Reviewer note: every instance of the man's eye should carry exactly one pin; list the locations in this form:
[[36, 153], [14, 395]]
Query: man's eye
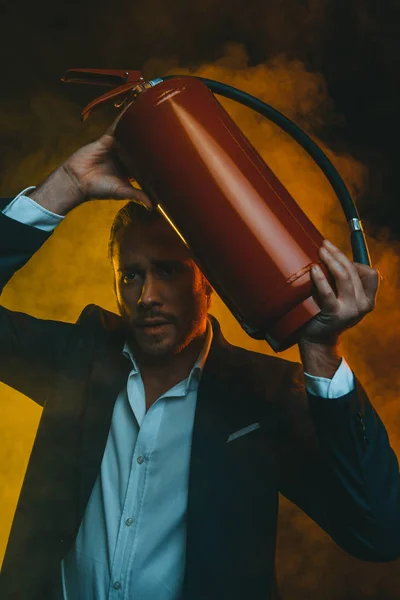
[[129, 277]]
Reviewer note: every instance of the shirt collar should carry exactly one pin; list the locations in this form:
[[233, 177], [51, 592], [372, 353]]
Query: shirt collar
[[198, 366], [196, 372]]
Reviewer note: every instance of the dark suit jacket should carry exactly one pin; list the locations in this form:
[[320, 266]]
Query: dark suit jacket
[[331, 457]]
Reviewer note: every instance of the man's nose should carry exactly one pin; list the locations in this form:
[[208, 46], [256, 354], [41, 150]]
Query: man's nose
[[150, 293]]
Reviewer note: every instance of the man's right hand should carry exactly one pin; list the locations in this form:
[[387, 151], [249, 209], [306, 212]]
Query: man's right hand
[[92, 172]]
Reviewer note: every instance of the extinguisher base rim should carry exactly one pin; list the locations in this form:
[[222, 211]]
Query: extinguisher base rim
[[284, 333]]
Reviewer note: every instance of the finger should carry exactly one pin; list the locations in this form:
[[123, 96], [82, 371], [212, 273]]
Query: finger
[[370, 279], [126, 185], [144, 198], [327, 298], [364, 300], [106, 141], [340, 273], [120, 191], [358, 290]]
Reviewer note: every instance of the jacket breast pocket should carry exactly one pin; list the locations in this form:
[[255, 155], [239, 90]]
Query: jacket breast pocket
[[243, 431], [249, 453], [247, 494]]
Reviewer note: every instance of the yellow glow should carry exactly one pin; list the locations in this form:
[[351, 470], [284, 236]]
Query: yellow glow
[[174, 227], [71, 270]]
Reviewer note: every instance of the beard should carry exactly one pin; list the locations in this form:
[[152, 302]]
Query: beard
[[171, 339]]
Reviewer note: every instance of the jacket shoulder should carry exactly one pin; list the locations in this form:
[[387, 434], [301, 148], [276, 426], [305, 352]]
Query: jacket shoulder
[[98, 318]]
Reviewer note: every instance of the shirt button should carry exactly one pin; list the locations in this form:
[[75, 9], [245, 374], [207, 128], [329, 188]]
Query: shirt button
[[117, 585], [140, 459], [129, 522]]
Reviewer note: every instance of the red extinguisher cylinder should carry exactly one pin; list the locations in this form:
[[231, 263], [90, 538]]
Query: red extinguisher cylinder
[[245, 231]]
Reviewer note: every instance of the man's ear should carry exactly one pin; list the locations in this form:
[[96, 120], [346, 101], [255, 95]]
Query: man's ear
[[209, 289], [114, 282], [207, 286]]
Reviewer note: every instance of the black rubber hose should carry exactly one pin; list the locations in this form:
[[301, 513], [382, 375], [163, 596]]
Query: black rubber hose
[[358, 241]]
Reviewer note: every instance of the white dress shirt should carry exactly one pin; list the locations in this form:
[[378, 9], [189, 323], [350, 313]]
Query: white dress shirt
[[132, 539], [131, 542]]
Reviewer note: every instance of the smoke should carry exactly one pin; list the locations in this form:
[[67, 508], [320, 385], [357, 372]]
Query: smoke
[[72, 270]]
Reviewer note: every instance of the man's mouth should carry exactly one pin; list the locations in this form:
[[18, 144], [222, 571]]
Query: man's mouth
[[153, 325]]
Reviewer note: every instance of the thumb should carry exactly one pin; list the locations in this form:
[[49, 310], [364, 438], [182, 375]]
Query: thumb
[[132, 193], [370, 279], [106, 141]]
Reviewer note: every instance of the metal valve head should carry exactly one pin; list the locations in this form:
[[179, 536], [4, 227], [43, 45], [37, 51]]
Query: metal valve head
[[125, 84]]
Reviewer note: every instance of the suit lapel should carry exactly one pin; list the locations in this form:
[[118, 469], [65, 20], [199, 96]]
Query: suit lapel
[[230, 484], [109, 373], [223, 484]]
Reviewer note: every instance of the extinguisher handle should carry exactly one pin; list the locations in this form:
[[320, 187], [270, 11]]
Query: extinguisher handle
[[359, 247], [102, 77], [124, 82]]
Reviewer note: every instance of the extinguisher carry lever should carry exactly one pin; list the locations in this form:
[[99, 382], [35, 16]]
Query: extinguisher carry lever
[[124, 82]]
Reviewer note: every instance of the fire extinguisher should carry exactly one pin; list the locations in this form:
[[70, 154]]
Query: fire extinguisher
[[243, 228]]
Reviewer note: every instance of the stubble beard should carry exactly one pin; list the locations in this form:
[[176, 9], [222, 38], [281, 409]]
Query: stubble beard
[[160, 345]]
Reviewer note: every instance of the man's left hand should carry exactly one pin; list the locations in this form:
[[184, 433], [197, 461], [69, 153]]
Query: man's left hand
[[356, 289]]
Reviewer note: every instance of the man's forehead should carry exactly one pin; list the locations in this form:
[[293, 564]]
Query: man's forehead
[[154, 242]]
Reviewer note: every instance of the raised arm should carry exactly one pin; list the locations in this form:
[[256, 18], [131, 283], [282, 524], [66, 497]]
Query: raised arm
[[335, 460], [29, 347]]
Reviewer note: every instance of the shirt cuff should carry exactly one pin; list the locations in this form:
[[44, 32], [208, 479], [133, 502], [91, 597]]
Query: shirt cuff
[[27, 211], [342, 383]]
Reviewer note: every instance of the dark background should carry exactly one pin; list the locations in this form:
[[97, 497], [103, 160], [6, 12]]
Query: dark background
[[354, 45]]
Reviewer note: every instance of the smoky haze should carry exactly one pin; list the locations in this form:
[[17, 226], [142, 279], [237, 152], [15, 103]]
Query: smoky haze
[[308, 59]]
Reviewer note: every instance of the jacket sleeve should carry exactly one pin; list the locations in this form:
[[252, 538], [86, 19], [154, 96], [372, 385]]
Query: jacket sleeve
[[28, 346], [335, 462]]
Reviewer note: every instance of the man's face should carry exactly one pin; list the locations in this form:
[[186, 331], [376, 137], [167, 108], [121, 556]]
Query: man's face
[[161, 293]]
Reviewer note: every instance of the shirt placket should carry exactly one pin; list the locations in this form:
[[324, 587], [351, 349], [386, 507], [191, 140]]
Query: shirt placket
[[129, 528]]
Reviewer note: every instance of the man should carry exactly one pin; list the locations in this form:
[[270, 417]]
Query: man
[[161, 449]]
